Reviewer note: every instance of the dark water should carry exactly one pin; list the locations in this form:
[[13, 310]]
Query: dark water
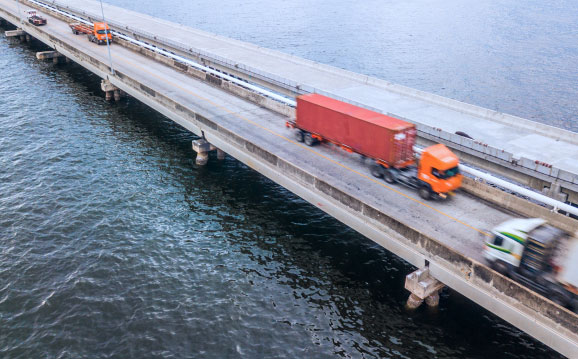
[[113, 244]]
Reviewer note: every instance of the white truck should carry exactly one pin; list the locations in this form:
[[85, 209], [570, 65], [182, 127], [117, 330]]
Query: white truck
[[34, 18], [541, 257]]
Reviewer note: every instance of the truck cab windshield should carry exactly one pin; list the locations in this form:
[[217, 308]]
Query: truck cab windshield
[[445, 174], [102, 32]]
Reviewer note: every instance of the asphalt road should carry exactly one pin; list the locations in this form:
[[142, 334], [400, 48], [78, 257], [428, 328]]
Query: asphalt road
[[457, 222]]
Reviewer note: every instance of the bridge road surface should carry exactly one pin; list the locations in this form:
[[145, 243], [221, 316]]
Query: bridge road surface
[[457, 223], [521, 137]]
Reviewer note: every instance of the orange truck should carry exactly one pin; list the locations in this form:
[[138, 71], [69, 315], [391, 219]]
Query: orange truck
[[387, 141], [98, 33]]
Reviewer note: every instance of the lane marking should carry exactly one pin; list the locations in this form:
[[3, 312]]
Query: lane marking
[[227, 110], [130, 63], [380, 183]]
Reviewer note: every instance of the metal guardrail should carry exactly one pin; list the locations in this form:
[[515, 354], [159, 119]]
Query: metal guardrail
[[546, 171]]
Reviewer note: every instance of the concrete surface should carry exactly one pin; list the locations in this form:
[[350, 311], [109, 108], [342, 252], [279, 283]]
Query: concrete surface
[[513, 143], [449, 234]]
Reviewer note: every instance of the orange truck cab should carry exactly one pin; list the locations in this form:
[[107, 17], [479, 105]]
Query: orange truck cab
[[436, 175], [438, 169], [101, 33]]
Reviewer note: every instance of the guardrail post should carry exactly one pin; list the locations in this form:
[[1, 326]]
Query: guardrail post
[[555, 191]]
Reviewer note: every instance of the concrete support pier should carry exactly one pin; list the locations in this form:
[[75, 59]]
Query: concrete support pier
[[202, 147], [47, 55], [14, 33], [110, 90], [422, 287], [220, 154], [18, 33]]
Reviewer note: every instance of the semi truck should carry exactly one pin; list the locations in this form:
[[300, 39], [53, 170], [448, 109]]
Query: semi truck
[[387, 141], [537, 255], [98, 33], [34, 18]]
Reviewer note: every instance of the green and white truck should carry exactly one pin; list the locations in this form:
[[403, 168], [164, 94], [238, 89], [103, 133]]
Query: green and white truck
[[538, 255]]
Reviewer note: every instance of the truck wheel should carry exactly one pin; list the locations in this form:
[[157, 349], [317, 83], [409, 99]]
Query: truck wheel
[[500, 267], [309, 140], [574, 304], [388, 176], [376, 170], [299, 136], [424, 193], [559, 296]]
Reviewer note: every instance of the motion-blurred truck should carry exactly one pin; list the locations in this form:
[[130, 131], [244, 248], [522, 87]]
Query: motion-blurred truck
[[388, 141], [538, 255]]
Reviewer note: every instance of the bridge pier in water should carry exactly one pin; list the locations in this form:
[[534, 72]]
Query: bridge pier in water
[[423, 287], [202, 147], [47, 55], [16, 34], [110, 90]]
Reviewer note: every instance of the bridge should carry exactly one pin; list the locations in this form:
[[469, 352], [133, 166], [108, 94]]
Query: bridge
[[213, 86]]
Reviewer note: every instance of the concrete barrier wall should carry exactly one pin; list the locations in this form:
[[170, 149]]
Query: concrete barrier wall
[[543, 129], [518, 205], [400, 234], [230, 87], [528, 167], [429, 247], [515, 121]]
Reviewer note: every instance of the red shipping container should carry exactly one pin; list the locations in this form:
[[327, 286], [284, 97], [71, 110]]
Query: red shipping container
[[366, 132]]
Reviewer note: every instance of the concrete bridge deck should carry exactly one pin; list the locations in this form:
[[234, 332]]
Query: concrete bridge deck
[[447, 234], [532, 153]]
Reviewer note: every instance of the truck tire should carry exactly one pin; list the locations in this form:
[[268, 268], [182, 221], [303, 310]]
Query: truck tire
[[309, 140], [574, 304], [559, 296], [425, 193], [298, 136], [388, 176], [501, 267], [376, 170]]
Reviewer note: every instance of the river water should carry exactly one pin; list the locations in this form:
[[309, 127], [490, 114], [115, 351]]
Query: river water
[[113, 244]]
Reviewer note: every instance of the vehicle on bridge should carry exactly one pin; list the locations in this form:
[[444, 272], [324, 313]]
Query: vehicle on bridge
[[542, 257], [98, 33], [388, 141], [34, 18]]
